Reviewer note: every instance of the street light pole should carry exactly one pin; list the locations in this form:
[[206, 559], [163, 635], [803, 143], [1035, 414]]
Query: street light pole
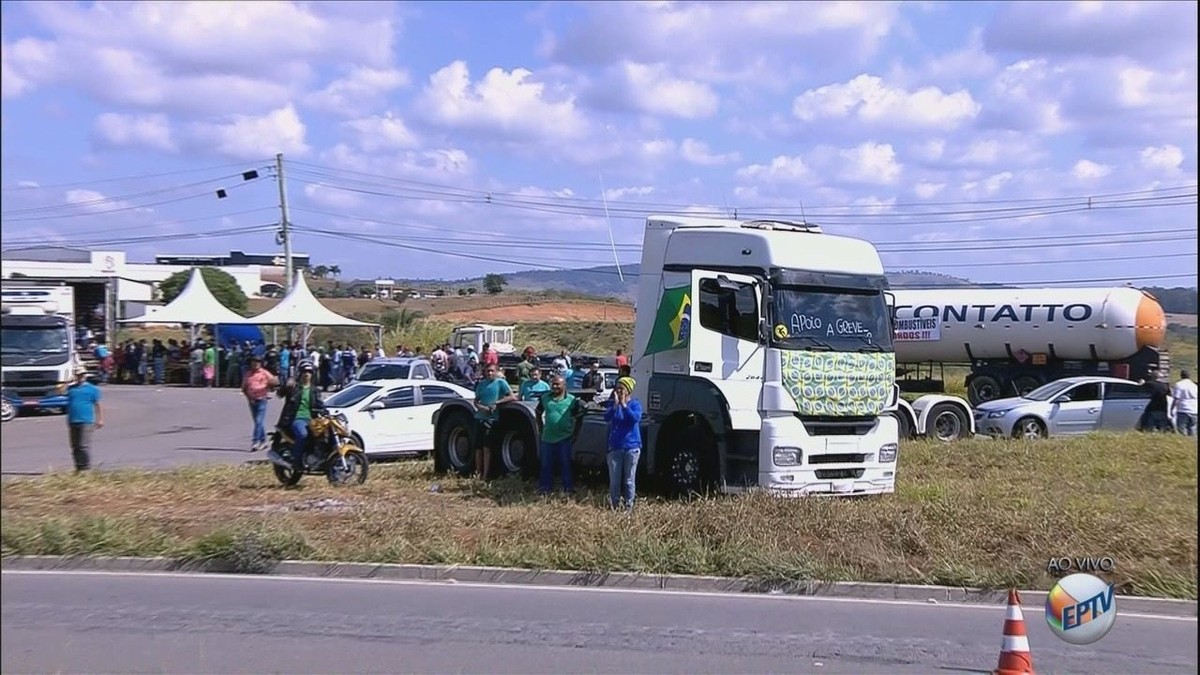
[[284, 234]]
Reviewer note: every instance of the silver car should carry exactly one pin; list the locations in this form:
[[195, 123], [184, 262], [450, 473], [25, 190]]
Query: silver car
[[1071, 406]]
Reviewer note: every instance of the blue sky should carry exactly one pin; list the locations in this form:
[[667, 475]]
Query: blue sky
[[1015, 142]]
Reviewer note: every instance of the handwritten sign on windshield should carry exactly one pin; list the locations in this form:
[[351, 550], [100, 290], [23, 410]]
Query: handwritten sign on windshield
[[810, 324]]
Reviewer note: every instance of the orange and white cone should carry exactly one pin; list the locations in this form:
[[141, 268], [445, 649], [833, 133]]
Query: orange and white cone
[[1015, 658]]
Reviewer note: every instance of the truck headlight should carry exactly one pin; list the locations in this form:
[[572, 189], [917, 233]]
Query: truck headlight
[[997, 414], [887, 452], [786, 456]]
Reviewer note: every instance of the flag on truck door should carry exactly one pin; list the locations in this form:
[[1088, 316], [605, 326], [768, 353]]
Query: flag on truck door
[[673, 322]]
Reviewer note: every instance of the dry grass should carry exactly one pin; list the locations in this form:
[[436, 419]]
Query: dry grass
[[978, 513]]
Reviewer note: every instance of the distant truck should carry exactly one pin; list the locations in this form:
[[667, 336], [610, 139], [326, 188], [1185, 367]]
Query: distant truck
[[1015, 340], [764, 359], [38, 344]]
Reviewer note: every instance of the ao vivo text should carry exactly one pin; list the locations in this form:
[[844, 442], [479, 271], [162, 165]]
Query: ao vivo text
[[1077, 564]]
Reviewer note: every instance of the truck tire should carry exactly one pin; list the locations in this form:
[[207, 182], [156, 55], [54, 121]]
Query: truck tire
[[1023, 384], [983, 388], [455, 450], [904, 425], [947, 422], [518, 451], [690, 462]]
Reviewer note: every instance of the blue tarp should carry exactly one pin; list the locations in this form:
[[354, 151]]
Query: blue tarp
[[230, 334]]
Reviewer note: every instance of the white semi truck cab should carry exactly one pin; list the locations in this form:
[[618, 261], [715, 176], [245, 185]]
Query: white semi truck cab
[[37, 344]]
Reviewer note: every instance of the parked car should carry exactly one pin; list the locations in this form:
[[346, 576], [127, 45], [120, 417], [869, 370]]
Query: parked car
[[395, 368], [1067, 407], [394, 417]]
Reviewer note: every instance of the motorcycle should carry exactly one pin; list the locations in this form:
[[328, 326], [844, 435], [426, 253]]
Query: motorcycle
[[331, 452]]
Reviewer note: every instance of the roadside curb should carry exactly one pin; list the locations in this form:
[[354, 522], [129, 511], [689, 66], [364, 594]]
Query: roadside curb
[[627, 580]]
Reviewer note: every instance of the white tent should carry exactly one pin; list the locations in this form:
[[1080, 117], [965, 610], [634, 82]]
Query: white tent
[[194, 305], [301, 307]]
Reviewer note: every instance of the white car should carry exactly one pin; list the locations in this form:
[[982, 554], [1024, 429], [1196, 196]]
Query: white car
[[394, 417]]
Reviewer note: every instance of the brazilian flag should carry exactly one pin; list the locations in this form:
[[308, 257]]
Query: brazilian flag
[[673, 322]]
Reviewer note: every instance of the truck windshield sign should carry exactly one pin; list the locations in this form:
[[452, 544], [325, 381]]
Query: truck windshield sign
[[835, 320]]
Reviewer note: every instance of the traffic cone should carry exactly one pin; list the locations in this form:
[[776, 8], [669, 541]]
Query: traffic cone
[[1015, 658]]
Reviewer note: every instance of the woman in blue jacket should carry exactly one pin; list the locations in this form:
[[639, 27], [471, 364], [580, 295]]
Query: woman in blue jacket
[[624, 416]]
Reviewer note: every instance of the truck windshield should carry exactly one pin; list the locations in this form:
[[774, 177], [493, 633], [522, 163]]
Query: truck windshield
[[824, 319], [34, 340]]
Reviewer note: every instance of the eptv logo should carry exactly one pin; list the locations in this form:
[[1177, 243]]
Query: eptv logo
[[1081, 609]]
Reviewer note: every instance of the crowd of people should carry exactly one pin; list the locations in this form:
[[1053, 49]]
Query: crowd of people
[[1172, 408]]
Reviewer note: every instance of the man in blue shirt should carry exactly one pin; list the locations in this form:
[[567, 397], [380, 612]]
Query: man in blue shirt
[[490, 392], [83, 417]]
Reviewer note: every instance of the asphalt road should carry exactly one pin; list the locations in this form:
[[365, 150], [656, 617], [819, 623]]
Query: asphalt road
[[145, 427], [148, 622]]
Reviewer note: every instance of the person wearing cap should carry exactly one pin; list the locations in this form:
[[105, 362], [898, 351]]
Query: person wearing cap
[[83, 417], [257, 384], [623, 413], [527, 365], [301, 401]]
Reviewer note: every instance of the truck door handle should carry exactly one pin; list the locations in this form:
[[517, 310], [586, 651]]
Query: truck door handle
[[1093, 410], [1138, 407]]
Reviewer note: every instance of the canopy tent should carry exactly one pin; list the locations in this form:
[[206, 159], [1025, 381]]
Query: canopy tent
[[195, 304], [301, 307]]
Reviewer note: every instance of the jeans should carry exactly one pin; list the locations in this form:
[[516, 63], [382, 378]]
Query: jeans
[[81, 444], [622, 473], [160, 370], [300, 435], [552, 454], [1185, 423], [258, 413], [1155, 420]]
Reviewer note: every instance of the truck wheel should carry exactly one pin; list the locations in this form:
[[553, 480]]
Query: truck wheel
[[1023, 384], [690, 467], [455, 448], [904, 425], [1029, 428], [947, 422], [983, 388], [518, 451], [8, 410]]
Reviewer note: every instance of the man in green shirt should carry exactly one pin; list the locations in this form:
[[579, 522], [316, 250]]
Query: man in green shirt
[[557, 412]]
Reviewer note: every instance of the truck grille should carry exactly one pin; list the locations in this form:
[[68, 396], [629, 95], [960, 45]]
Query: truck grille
[[31, 383], [838, 474], [844, 458], [838, 426]]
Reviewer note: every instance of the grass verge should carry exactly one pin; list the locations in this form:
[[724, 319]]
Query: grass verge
[[977, 513]]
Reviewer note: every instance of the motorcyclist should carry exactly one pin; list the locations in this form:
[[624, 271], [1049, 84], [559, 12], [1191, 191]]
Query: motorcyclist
[[302, 400]]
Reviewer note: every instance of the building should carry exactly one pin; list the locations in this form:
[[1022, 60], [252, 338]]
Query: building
[[107, 286], [234, 259]]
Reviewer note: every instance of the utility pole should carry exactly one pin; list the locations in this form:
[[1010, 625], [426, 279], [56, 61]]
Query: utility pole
[[284, 234]]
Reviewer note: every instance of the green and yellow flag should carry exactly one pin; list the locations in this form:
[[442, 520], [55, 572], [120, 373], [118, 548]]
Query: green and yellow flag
[[673, 322]]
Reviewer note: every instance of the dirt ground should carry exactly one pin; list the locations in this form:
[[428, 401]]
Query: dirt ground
[[1182, 319], [547, 312], [506, 308]]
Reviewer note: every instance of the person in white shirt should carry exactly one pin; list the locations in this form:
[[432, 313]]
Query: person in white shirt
[[1183, 404]]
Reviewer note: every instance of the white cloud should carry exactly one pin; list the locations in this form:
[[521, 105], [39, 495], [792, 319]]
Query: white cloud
[[361, 90], [508, 103], [926, 190], [1086, 170], [870, 163], [385, 132], [781, 169], [869, 100], [331, 196], [24, 63], [988, 186], [651, 89], [446, 164], [139, 131], [94, 201], [698, 153], [28, 184], [981, 152], [249, 137], [620, 193], [1164, 158], [1026, 97]]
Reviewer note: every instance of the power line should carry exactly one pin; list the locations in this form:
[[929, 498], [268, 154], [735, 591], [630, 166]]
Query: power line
[[70, 237], [122, 209], [142, 176], [214, 234], [1076, 261]]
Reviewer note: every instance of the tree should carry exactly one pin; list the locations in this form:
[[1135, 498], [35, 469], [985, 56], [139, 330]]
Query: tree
[[334, 271], [462, 291], [494, 283], [319, 272], [472, 290], [222, 284]]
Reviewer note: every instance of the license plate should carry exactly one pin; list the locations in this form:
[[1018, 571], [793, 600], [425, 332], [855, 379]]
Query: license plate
[[843, 486]]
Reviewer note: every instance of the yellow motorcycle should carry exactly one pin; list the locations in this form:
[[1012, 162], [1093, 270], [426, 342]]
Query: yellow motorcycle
[[331, 452]]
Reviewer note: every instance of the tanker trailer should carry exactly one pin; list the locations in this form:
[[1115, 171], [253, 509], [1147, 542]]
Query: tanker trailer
[[1016, 339]]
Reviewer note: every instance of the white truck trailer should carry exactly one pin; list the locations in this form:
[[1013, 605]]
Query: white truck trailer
[[1015, 340], [763, 355], [37, 344]]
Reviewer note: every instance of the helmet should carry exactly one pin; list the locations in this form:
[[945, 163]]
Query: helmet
[[306, 367]]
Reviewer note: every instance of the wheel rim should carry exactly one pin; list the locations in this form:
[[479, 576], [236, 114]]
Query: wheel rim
[[347, 472], [7, 410], [985, 392], [1031, 429], [685, 469], [1024, 385], [947, 426], [459, 445], [512, 452]]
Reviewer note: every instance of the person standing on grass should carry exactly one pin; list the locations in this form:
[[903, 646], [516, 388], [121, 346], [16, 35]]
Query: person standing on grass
[[557, 412], [1154, 417], [83, 417], [490, 392], [624, 416], [256, 386], [1183, 404]]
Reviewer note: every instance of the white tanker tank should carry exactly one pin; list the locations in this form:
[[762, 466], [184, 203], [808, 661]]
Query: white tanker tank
[[1016, 339], [965, 324]]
